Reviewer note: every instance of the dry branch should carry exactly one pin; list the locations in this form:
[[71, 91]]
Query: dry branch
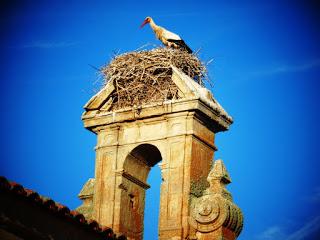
[[142, 77]]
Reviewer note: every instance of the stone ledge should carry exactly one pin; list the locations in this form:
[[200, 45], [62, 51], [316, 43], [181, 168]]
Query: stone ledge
[[99, 118]]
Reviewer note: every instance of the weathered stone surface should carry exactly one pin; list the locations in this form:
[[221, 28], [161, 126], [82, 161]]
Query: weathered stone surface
[[87, 189], [214, 215], [196, 98], [178, 135], [86, 195]]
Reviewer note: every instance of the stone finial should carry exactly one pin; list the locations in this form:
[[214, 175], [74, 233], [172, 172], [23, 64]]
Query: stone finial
[[86, 195], [219, 172], [214, 215], [87, 189]]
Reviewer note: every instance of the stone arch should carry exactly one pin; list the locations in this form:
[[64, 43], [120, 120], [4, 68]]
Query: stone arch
[[136, 168], [145, 153]]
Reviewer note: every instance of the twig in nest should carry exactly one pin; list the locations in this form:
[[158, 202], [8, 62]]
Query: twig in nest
[[141, 77]]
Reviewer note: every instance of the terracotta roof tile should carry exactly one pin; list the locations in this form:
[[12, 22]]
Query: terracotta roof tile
[[58, 208]]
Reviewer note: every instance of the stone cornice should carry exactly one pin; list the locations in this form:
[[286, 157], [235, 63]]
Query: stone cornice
[[133, 179], [218, 122]]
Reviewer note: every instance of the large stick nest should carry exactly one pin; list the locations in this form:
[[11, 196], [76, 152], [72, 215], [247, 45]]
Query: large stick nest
[[145, 76]]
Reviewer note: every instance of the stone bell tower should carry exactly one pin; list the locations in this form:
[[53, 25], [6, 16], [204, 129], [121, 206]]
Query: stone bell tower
[[180, 133]]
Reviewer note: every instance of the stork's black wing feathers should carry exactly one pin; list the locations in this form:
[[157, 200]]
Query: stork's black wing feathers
[[181, 44]]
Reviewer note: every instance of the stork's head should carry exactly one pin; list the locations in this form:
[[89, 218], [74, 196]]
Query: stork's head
[[146, 20]]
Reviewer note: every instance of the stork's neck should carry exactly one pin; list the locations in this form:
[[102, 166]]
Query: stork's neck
[[154, 26]]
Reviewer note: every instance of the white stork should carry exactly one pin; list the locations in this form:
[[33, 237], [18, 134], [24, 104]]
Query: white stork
[[168, 38]]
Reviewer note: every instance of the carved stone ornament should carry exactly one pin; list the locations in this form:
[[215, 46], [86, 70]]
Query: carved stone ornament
[[215, 209]]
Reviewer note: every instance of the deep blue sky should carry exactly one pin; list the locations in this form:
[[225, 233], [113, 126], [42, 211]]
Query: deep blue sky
[[265, 69]]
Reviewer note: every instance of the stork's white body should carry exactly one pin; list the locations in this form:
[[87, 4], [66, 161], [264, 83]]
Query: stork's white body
[[168, 38], [170, 35], [163, 34]]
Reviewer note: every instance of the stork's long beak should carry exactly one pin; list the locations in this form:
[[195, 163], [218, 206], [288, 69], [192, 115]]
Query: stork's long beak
[[144, 23]]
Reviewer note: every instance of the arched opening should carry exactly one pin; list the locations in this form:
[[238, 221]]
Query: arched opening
[[136, 169], [148, 153], [152, 205]]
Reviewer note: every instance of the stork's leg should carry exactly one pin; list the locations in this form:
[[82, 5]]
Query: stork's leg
[[172, 45], [165, 42]]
